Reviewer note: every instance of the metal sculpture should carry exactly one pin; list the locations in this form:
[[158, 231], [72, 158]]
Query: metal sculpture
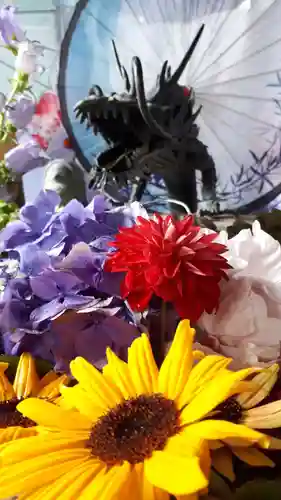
[[150, 134]]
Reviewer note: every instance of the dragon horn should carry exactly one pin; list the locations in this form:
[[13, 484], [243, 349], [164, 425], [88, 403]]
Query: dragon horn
[[122, 69], [142, 104], [180, 69]]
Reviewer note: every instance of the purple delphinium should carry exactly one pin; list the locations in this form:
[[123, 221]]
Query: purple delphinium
[[23, 158], [61, 255], [21, 112], [9, 29]]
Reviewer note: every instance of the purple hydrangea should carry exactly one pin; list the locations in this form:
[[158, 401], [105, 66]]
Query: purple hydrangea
[[59, 255]]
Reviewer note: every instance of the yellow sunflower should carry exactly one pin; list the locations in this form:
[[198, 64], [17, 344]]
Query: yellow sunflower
[[245, 408], [13, 424], [132, 432]]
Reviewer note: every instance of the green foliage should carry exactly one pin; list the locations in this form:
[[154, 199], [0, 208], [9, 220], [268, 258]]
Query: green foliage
[[8, 212], [6, 175], [42, 366], [259, 490]]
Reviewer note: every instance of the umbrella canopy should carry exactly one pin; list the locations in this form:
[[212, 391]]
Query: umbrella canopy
[[235, 73]]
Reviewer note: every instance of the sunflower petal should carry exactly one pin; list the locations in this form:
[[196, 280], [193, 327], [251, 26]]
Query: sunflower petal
[[26, 382], [27, 448], [188, 497], [13, 433], [73, 483], [215, 392], [220, 429], [52, 390], [49, 415], [223, 463], [102, 392], [175, 370], [118, 371], [50, 376], [27, 475], [264, 417], [169, 472], [201, 374], [253, 457], [142, 366], [6, 389], [264, 381], [76, 397], [107, 486]]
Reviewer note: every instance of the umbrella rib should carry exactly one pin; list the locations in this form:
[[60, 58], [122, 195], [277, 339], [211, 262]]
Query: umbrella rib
[[220, 141], [240, 113], [233, 43], [207, 50], [249, 56], [240, 78]]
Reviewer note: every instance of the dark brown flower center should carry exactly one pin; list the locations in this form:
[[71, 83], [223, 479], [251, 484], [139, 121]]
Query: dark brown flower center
[[134, 429], [230, 410], [11, 417]]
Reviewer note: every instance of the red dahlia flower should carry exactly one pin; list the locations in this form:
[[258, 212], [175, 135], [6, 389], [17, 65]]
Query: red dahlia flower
[[172, 259]]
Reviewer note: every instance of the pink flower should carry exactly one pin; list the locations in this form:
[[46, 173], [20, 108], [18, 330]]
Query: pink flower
[[247, 324]]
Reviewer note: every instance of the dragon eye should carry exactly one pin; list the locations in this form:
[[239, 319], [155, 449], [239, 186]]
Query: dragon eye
[[186, 91]]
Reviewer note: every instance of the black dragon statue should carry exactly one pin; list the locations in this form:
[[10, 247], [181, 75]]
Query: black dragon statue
[[151, 134]]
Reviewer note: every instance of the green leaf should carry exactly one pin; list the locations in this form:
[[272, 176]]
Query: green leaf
[[218, 487], [259, 490], [12, 49], [42, 366]]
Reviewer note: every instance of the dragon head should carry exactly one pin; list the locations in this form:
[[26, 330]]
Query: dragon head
[[131, 117]]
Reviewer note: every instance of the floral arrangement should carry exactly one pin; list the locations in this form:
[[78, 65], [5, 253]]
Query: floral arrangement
[[140, 356], [30, 124]]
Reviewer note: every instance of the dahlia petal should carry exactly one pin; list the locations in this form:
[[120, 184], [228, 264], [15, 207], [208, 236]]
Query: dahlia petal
[[175, 370], [168, 472], [26, 382], [104, 395], [138, 300], [49, 415], [142, 366], [253, 457]]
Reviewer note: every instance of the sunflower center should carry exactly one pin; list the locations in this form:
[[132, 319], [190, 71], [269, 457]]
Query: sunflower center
[[134, 429], [11, 417], [230, 410]]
